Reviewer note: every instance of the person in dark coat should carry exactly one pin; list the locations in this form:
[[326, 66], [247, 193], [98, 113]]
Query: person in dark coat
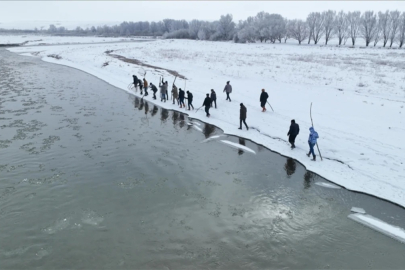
[[181, 98], [189, 100], [263, 99], [228, 90], [213, 98], [207, 104], [135, 81], [293, 132], [140, 84], [154, 90], [242, 116]]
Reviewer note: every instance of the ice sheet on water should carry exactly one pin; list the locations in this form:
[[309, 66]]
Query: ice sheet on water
[[380, 226], [197, 128], [327, 185], [211, 138], [239, 146], [358, 210]]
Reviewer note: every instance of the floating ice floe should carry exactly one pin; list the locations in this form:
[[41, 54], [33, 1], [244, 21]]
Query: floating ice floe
[[358, 210], [211, 138], [197, 128], [380, 226], [239, 146], [327, 185]]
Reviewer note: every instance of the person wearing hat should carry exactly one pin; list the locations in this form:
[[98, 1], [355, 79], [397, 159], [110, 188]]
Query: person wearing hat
[[242, 116], [135, 82], [263, 99], [293, 132], [207, 104], [189, 100], [228, 90]]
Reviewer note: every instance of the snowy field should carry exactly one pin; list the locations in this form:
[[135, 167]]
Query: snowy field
[[358, 97]]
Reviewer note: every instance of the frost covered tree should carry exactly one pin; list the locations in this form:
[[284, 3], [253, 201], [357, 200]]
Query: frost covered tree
[[368, 26], [394, 21], [311, 21], [261, 26], [246, 31], [277, 27], [328, 24], [315, 22], [384, 23], [298, 30], [353, 19], [225, 28], [377, 34], [193, 28], [401, 30], [341, 27]]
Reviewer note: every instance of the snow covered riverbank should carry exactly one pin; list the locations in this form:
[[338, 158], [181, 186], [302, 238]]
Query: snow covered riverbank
[[358, 98]]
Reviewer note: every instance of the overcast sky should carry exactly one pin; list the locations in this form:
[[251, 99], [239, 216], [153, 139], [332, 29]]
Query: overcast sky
[[12, 11]]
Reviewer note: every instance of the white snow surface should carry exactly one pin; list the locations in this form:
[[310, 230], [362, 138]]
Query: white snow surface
[[380, 226], [358, 98], [358, 210], [327, 185]]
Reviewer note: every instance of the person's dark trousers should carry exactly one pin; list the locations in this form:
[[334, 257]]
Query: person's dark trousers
[[214, 101], [227, 96], [146, 92], [189, 104], [243, 120], [291, 139], [154, 95], [311, 149], [207, 110]]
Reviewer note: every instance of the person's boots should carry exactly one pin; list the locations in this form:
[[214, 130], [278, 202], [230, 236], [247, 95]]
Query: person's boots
[[262, 109], [308, 154], [314, 159], [240, 128]]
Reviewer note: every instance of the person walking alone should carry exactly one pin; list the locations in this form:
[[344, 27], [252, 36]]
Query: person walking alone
[[228, 90], [313, 136], [242, 116], [293, 132], [189, 100], [263, 99], [213, 98], [207, 104]]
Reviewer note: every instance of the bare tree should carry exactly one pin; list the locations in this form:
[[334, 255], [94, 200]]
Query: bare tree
[[286, 32], [341, 26], [298, 30], [311, 21], [368, 26], [353, 19], [394, 21], [377, 34], [401, 32], [318, 29], [329, 20], [384, 21]]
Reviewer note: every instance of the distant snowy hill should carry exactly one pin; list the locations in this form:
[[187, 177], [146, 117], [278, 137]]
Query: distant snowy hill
[[31, 25]]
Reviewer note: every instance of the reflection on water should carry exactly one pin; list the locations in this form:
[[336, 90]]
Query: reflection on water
[[91, 184], [290, 166]]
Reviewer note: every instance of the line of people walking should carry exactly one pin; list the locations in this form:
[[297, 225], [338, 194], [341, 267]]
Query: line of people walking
[[178, 95]]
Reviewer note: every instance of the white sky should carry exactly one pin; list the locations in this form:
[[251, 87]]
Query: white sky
[[13, 11]]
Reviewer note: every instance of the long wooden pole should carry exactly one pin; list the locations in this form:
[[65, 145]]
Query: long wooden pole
[[310, 114]]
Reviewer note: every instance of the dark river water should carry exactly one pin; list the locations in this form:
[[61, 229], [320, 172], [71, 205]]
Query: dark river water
[[93, 178]]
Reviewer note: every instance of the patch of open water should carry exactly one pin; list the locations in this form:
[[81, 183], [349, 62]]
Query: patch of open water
[[93, 178]]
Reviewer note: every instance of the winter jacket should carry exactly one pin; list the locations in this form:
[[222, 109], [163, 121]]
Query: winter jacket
[[243, 112], [313, 136], [294, 129], [140, 83], [145, 83], [213, 95], [189, 97], [174, 92], [135, 79], [263, 97], [207, 102], [181, 93], [228, 88], [164, 89], [154, 89]]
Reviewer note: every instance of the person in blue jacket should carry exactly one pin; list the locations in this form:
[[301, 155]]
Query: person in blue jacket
[[313, 136]]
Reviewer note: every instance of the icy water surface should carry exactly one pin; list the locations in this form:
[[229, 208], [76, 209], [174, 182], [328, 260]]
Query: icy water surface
[[93, 178]]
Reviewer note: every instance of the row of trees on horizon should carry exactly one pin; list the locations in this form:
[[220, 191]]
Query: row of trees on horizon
[[387, 27]]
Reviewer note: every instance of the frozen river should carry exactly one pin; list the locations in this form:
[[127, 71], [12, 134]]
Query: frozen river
[[93, 178]]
